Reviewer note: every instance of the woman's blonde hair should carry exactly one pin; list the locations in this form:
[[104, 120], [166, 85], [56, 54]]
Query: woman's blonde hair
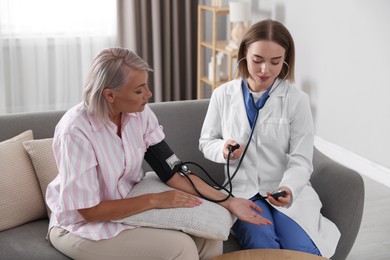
[[268, 30], [110, 69]]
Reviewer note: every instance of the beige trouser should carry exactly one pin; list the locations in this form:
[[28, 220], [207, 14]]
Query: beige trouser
[[140, 243]]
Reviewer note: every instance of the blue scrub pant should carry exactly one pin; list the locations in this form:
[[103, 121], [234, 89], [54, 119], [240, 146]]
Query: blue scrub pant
[[284, 233]]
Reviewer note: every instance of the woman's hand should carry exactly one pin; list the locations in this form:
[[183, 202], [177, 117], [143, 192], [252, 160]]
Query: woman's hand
[[174, 199], [247, 211], [281, 201], [236, 153]]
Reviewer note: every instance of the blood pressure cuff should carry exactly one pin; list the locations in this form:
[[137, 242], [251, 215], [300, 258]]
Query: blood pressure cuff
[[162, 160]]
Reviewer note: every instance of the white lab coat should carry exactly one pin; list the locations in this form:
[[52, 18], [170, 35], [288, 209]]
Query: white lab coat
[[280, 152]]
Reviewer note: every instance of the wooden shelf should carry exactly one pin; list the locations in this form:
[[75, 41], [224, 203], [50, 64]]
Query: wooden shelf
[[216, 9], [220, 46], [216, 46], [211, 83]]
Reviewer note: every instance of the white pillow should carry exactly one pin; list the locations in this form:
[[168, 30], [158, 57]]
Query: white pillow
[[208, 220]]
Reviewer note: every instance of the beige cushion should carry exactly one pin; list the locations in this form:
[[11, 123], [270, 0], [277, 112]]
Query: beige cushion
[[21, 200], [208, 220], [42, 158]]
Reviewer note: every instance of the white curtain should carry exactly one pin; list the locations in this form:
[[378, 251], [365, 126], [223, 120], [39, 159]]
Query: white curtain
[[46, 50]]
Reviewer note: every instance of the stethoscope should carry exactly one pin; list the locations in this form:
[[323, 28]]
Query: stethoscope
[[258, 108], [185, 170]]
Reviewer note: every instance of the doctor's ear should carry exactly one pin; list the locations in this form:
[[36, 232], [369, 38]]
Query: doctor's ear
[[109, 95]]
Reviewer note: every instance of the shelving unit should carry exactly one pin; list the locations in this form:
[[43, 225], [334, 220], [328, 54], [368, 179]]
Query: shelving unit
[[215, 46]]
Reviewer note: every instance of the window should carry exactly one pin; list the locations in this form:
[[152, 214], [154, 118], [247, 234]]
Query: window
[[46, 50]]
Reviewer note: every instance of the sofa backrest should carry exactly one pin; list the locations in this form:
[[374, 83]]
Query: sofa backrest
[[181, 121], [41, 123]]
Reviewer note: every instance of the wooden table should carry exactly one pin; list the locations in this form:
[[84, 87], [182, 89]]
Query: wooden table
[[268, 254]]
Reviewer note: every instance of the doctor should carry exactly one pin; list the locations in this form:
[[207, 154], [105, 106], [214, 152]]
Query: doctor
[[279, 153]]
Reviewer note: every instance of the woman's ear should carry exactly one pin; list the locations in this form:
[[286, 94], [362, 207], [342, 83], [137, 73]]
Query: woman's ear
[[108, 94]]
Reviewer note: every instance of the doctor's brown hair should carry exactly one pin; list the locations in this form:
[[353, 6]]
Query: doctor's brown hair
[[268, 30]]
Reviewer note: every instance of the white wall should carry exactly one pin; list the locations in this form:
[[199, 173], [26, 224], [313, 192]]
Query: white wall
[[343, 62]]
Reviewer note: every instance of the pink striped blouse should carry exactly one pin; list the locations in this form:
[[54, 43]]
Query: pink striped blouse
[[95, 164]]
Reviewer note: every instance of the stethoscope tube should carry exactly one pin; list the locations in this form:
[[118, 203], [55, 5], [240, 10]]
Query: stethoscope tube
[[242, 156], [217, 185], [229, 177]]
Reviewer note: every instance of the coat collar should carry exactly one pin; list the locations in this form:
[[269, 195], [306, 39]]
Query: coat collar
[[236, 99], [279, 90]]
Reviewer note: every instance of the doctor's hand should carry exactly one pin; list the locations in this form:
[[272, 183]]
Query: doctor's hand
[[284, 201], [247, 211], [236, 153]]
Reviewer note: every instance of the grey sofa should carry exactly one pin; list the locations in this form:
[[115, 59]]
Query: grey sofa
[[182, 121]]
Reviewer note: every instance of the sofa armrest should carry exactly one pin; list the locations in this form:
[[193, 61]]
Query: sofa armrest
[[341, 191]]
